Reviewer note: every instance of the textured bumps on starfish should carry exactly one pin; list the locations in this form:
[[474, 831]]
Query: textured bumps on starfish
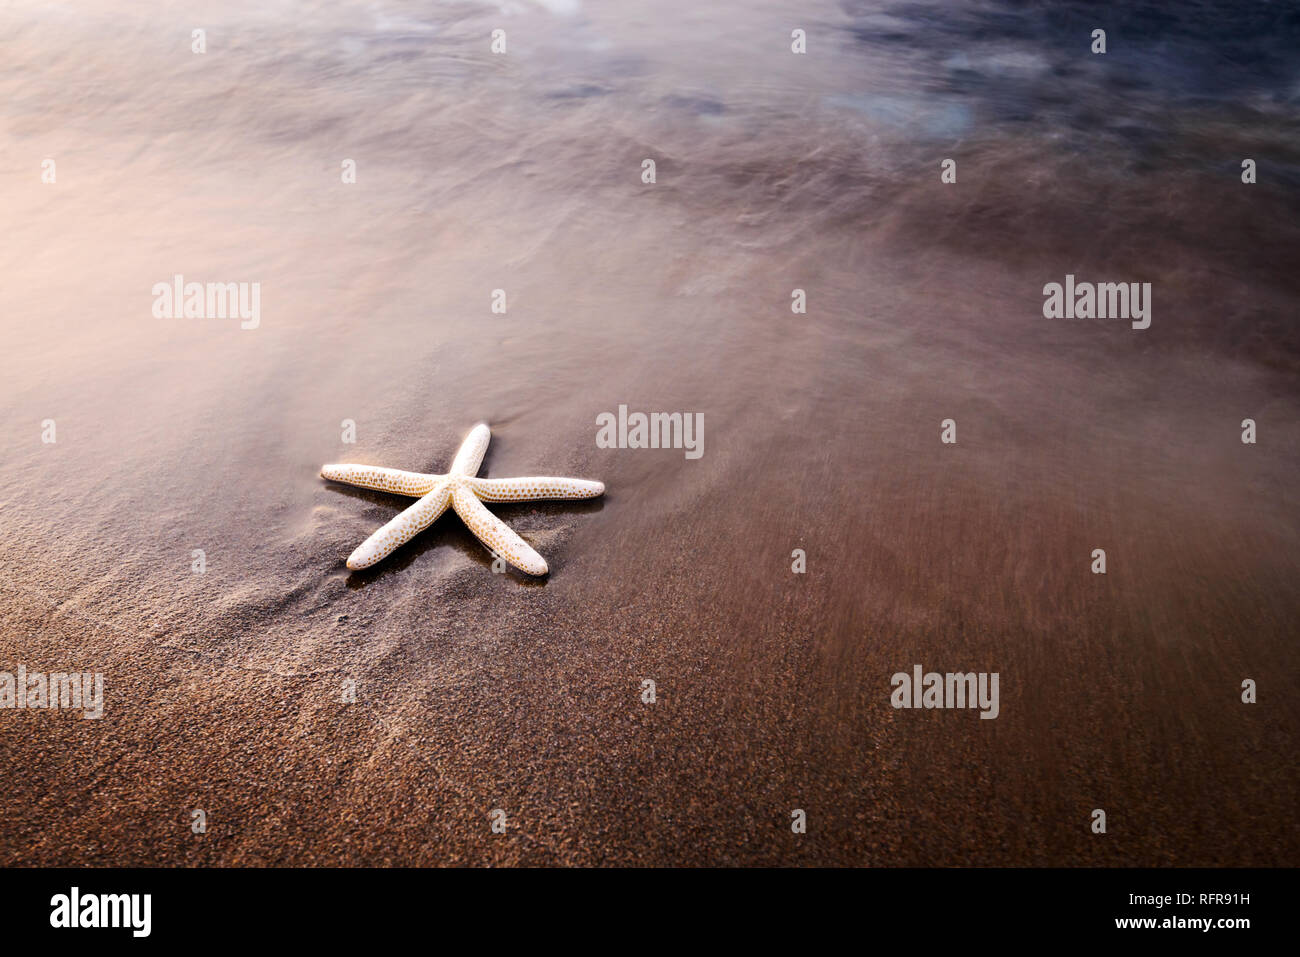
[[465, 493]]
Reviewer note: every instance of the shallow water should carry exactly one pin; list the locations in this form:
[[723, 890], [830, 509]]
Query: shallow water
[[774, 171]]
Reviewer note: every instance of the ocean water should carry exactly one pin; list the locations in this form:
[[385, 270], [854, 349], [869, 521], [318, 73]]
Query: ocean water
[[774, 172]]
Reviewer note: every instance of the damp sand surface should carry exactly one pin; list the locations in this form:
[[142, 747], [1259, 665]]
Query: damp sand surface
[[522, 172]]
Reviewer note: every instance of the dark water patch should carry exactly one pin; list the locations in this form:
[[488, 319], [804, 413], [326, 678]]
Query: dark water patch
[[1023, 62], [582, 91], [698, 105]]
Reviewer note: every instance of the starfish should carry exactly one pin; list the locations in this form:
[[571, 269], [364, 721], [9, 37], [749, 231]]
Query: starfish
[[465, 493]]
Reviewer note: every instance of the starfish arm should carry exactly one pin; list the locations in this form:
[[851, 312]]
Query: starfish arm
[[414, 484], [401, 529], [495, 534], [470, 454], [534, 488]]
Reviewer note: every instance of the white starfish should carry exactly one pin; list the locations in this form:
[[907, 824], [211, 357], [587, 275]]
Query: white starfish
[[465, 493]]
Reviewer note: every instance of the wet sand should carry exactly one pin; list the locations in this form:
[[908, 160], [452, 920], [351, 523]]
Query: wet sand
[[479, 691]]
